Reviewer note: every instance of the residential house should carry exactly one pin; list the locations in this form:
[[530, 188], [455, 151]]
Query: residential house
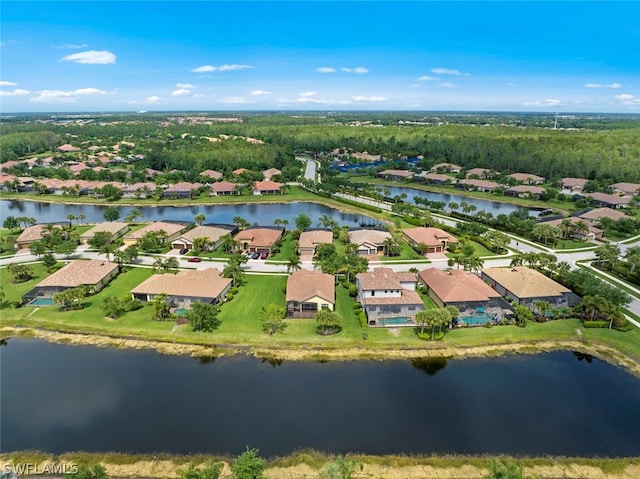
[[33, 233], [525, 191], [436, 178], [172, 230], [369, 241], [606, 200], [596, 214], [267, 187], [572, 186], [461, 289], [625, 189], [94, 274], [185, 287], [478, 185], [526, 178], [222, 188], [436, 240], [448, 167], [139, 190], [481, 173], [213, 233], [115, 228], [310, 239], [525, 285], [589, 234], [183, 189], [211, 174], [239, 171], [259, 238], [271, 172], [67, 148], [389, 298], [309, 292], [396, 175]]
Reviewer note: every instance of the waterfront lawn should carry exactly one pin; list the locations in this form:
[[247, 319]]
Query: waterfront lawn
[[13, 291], [286, 251]]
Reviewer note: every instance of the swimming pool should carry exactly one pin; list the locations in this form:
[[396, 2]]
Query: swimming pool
[[41, 302], [403, 321], [477, 319]]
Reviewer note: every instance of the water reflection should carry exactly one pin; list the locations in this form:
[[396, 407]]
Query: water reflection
[[583, 357], [429, 365]]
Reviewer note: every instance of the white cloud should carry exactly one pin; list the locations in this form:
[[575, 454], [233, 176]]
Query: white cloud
[[370, 98], [355, 70], [71, 46], [427, 78], [325, 69], [14, 92], [260, 92], [185, 85], [627, 99], [235, 100], [93, 57], [204, 68], [600, 85], [447, 71], [8, 83], [181, 92], [153, 100], [446, 85], [545, 103], [221, 68], [307, 94], [61, 96]]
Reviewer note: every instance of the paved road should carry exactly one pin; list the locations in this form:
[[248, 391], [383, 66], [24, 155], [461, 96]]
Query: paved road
[[311, 168]]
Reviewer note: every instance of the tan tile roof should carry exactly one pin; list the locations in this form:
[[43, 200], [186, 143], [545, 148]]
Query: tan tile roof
[[599, 213], [212, 232], [628, 188], [109, 227], [239, 171], [201, 283], [437, 177], [266, 185], [403, 173], [132, 188], [271, 172], [429, 236], [67, 148], [534, 190], [406, 297], [169, 228], [525, 282], [79, 273], [374, 237], [478, 171], [379, 278], [574, 220], [309, 239], [525, 177], [406, 277], [259, 237], [457, 285], [607, 198], [304, 285], [446, 166], [32, 233], [571, 182], [221, 186], [481, 183], [182, 186], [216, 175]]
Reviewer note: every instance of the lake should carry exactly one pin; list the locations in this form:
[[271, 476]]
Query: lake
[[60, 398], [262, 213]]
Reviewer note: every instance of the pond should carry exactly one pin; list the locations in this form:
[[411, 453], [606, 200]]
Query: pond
[[262, 213], [494, 207], [60, 398]]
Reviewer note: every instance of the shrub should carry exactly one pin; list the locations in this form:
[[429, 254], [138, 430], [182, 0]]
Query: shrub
[[596, 324], [357, 306], [234, 290], [353, 290], [363, 319], [424, 336], [229, 296]]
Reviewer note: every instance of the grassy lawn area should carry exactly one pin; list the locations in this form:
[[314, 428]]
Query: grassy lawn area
[[478, 250], [286, 251], [407, 253]]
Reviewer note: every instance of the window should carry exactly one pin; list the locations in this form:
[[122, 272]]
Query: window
[[373, 293]]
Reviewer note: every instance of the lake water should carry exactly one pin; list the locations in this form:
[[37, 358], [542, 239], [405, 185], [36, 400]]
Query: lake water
[[494, 207], [262, 213], [60, 398]]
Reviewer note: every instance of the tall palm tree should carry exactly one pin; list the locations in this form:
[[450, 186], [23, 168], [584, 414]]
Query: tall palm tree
[[294, 263], [199, 219]]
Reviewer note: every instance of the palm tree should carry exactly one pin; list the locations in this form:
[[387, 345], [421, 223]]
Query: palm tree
[[199, 219], [608, 253], [81, 218], [632, 256], [158, 264], [108, 249], [542, 308], [171, 264], [71, 217], [453, 206], [591, 305], [228, 243], [294, 263]]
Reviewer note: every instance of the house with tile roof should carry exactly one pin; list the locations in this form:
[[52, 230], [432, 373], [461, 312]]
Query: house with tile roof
[[222, 188], [33, 233], [486, 186], [606, 200], [267, 187], [270, 173], [481, 173], [525, 285], [448, 167], [309, 292], [259, 238], [94, 274], [596, 214], [369, 241], [389, 299], [185, 287], [310, 239], [525, 191], [116, 229], [625, 189], [396, 175], [182, 189], [172, 230], [572, 186], [213, 233], [436, 240], [211, 174], [526, 178]]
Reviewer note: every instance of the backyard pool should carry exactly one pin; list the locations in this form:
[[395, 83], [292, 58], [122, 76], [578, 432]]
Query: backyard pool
[[41, 302], [403, 321], [477, 319]]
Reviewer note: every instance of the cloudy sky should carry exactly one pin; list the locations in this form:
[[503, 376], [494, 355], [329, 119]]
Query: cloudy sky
[[568, 56]]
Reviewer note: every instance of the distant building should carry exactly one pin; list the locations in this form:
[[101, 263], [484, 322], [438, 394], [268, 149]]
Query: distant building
[[395, 175], [222, 188], [526, 178], [309, 292], [115, 228], [212, 233]]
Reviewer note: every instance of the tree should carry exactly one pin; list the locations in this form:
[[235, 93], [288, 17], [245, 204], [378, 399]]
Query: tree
[[340, 468], [240, 222], [302, 221], [71, 217], [272, 319], [203, 317], [294, 263], [523, 314], [20, 272], [542, 308], [199, 219], [391, 247], [100, 239], [113, 307], [107, 250], [111, 213], [161, 307], [38, 248], [329, 322], [96, 471], [211, 471], [608, 253], [248, 465], [632, 257], [11, 223], [170, 264], [133, 215], [228, 243], [426, 319], [70, 298], [49, 260], [510, 470], [201, 244]]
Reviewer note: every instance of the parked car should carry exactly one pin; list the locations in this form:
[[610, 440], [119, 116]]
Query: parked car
[[183, 251], [195, 259], [264, 255], [255, 255]]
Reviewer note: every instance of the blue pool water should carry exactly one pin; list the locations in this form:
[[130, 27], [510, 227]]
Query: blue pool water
[[180, 311], [477, 319], [404, 321], [41, 302]]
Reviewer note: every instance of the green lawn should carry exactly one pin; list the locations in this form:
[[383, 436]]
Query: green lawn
[[286, 251]]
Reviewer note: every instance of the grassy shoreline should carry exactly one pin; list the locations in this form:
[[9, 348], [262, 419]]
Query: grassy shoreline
[[308, 463]]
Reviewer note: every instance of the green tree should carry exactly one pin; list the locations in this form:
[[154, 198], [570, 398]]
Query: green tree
[[95, 471], [340, 468], [500, 470], [11, 223], [203, 317], [329, 322], [133, 215], [240, 222], [107, 250], [66, 248], [228, 243], [113, 307], [608, 253], [294, 263], [100, 239], [161, 307], [38, 248], [199, 219], [49, 260], [523, 314], [70, 298], [302, 221], [272, 319], [111, 213], [20, 272], [248, 465]]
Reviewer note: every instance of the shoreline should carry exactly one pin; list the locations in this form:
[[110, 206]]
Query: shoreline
[[603, 352]]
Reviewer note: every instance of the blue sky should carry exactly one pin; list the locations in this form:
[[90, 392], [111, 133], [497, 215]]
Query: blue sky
[[568, 56]]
